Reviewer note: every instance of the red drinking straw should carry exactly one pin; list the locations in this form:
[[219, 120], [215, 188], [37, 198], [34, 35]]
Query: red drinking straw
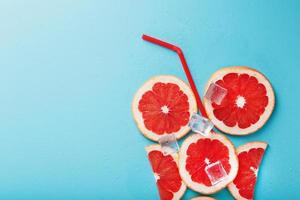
[[185, 68]]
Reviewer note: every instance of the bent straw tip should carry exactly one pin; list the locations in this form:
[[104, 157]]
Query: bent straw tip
[[144, 36]]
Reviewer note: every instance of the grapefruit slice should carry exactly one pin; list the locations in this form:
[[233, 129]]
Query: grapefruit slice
[[202, 198], [163, 105], [165, 169], [197, 152], [248, 104], [250, 156]]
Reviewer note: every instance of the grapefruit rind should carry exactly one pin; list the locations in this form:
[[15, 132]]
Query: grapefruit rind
[[137, 115], [246, 147], [198, 187], [182, 189], [218, 75]]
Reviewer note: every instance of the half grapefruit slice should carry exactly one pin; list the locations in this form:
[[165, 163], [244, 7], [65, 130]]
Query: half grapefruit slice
[[250, 156], [248, 104], [197, 153], [165, 169], [202, 198], [163, 105]]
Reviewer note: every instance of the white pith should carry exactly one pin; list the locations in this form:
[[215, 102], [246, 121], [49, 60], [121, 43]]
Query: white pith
[[206, 161], [165, 109], [186, 177], [240, 101], [245, 148], [148, 86], [254, 170], [157, 147], [156, 176], [218, 75]]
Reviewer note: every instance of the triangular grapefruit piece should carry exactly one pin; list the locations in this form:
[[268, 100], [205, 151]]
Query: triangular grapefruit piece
[[165, 168], [250, 156]]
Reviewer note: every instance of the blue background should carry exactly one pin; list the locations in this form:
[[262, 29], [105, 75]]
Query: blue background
[[69, 70]]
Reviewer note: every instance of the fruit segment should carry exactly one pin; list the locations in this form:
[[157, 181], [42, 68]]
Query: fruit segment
[[165, 169], [248, 103], [162, 106], [250, 156]]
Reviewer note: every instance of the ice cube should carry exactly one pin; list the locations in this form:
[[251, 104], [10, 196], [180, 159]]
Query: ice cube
[[168, 144], [200, 124], [215, 93], [215, 172]]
